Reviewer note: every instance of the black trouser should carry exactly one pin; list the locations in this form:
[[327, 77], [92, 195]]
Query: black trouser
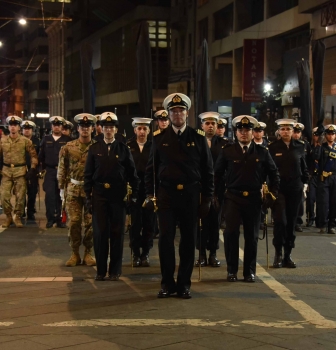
[[247, 210], [53, 200], [326, 202], [311, 198], [142, 228], [209, 237], [174, 206], [285, 211], [32, 189], [299, 220], [108, 222]]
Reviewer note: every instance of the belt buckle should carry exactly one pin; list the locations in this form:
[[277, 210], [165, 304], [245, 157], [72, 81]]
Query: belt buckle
[[245, 194], [325, 174], [179, 187], [12, 165], [107, 185]]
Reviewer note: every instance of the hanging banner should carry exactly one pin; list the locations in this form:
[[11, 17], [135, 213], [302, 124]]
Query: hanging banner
[[253, 70]]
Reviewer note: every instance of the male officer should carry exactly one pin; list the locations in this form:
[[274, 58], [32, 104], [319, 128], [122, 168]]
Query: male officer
[[243, 167], [32, 184], [220, 131], [183, 170], [99, 129], [325, 155], [209, 236], [109, 166], [67, 128], [48, 158], [70, 176], [312, 187], [289, 156], [258, 134], [297, 135], [142, 230], [13, 149], [162, 120]]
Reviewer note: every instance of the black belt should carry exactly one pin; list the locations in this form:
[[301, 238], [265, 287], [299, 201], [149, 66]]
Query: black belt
[[178, 186], [244, 193], [51, 167], [14, 165]]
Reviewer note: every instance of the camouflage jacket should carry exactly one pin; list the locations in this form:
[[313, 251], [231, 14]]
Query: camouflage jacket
[[13, 153], [71, 165]]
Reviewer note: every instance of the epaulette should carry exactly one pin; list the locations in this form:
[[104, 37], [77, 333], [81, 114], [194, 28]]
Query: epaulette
[[201, 132], [261, 146], [227, 145], [157, 132]]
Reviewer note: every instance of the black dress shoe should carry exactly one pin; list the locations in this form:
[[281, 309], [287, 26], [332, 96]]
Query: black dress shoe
[[145, 260], [201, 260], [310, 223], [298, 228], [232, 277], [136, 261], [165, 293], [31, 217], [288, 262], [277, 263], [114, 277], [213, 261], [250, 278], [99, 278], [61, 224], [49, 224], [185, 294]]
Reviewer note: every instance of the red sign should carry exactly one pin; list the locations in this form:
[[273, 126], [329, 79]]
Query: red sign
[[253, 70]]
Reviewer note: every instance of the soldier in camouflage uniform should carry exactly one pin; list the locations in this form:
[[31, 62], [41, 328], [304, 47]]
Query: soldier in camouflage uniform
[[13, 149], [70, 176]]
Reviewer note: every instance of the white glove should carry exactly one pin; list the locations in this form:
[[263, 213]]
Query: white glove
[[305, 188], [62, 194]]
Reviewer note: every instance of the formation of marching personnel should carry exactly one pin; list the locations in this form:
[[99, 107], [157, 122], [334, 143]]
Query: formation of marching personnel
[[181, 177]]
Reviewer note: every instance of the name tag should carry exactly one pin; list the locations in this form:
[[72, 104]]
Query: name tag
[[278, 154]]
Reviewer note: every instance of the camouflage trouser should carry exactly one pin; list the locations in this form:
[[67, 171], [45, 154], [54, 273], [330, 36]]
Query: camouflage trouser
[[76, 209], [16, 186]]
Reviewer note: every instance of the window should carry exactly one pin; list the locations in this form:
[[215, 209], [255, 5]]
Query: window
[[203, 30], [158, 35], [223, 23]]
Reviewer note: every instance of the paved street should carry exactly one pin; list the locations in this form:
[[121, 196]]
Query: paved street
[[44, 305]]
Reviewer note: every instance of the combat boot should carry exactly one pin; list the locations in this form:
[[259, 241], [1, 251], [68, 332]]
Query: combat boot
[[277, 263], [17, 220], [88, 259], [8, 222], [74, 260]]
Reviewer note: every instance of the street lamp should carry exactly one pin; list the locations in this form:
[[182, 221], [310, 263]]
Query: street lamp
[[22, 21]]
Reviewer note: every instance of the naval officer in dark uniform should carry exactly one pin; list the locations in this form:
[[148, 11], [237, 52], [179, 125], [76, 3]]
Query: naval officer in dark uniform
[[109, 167], [289, 155], [325, 155], [208, 237], [143, 220], [183, 170], [243, 167], [48, 159], [32, 184], [259, 134]]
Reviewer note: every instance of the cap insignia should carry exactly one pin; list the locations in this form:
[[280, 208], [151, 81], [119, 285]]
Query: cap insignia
[[108, 119], [245, 120], [177, 99], [164, 114], [13, 119], [56, 120], [297, 126], [258, 126], [331, 128], [27, 124], [85, 119]]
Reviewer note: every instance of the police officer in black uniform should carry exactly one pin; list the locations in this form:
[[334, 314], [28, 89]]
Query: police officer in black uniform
[[109, 166], [48, 158], [208, 237], [312, 187], [243, 168], [325, 155], [32, 184], [183, 170], [289, 155], [143, 220]]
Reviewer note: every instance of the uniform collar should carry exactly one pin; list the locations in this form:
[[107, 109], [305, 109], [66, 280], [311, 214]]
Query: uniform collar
[[177, 129]]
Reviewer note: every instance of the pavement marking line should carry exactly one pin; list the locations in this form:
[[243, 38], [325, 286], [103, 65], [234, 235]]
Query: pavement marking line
[[279, 324], [6, 324], [308, 313]]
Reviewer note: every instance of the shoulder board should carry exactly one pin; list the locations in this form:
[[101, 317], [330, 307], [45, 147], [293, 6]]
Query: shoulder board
[[262, 146], [227, 145], [201, 132], [157, 132]]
